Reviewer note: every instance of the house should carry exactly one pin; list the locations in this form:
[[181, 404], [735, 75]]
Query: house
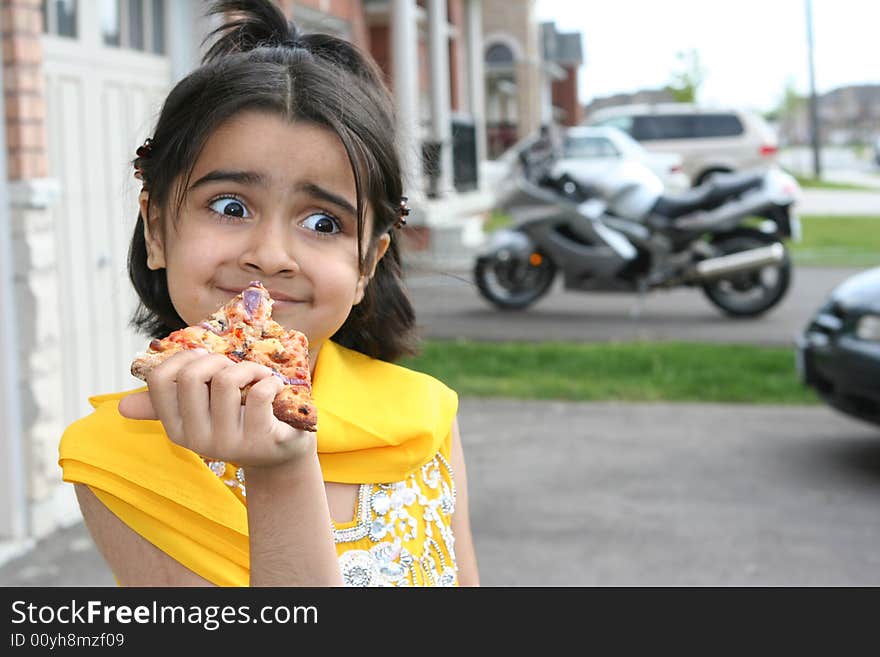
[[531, 73], [643, 96], [83, 85]]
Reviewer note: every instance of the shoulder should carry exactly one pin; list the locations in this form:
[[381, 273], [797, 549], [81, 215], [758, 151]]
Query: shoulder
[[115, 453], [365, 399], [104, 417], [104, 428], [343, 376]]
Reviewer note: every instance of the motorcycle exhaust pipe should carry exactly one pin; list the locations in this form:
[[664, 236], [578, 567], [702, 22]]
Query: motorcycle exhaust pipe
[[737, 262]]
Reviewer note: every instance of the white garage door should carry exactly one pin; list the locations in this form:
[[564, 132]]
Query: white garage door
[[106, 74]]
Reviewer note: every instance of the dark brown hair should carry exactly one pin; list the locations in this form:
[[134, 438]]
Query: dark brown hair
[[260, 61]]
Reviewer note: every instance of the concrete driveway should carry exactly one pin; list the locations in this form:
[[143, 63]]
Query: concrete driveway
[[569, 494], [672, 495]]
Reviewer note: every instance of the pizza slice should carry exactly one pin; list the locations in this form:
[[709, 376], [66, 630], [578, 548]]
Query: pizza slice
[[243, 329]]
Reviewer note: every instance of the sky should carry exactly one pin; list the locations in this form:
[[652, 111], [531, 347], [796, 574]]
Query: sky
[[750, 49]]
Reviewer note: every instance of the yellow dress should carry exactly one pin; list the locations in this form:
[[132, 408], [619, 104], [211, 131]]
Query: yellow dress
[[380, 425]]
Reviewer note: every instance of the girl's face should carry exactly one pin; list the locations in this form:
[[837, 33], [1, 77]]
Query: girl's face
[[273, 201]]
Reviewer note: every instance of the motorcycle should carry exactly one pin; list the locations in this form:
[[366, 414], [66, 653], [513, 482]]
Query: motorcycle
[[619, 232]]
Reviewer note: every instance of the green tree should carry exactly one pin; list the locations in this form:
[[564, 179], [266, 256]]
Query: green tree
[[792, 101], [688, 78], [790, 114]]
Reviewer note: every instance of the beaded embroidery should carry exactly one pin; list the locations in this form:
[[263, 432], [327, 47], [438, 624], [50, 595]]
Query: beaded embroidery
[[408, 522]]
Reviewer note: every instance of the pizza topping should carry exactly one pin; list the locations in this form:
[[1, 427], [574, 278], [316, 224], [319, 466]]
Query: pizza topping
[[217, 326], [252, 300], [291, 381]]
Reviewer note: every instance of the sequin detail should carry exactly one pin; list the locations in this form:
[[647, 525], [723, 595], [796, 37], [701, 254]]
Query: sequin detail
[[408, 523]]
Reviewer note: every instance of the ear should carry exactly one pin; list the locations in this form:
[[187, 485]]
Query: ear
[[152, 234], [381, 247]]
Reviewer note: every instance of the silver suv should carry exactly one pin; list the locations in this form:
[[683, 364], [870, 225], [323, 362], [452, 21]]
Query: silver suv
[[709, 140]]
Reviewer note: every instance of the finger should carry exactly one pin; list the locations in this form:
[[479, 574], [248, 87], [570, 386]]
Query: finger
[[194, 399], [259, 416], [137, 407], [226, 387], [162, 384]]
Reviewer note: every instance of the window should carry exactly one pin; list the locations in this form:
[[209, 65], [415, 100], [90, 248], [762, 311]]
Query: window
[[110, 27], [663, 126], [60, 17], [717, 125], [589, 147], [624, 123], [158, 44], [499, 53], [134, 24], [685, 126]]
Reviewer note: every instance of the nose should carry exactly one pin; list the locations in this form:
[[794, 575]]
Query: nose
[[269, 250]]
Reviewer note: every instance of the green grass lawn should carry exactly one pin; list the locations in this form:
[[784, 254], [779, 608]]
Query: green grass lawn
[[846, 241], [678, 372], [818, 183]]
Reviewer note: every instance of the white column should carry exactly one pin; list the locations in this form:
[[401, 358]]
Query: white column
[[477, 74], [405, 73], [441, 128]]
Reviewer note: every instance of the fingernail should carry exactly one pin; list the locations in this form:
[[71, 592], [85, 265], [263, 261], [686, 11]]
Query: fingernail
[[200, 350]]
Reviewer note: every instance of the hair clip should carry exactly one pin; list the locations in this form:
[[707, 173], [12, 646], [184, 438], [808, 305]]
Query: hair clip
[[143, 151], [403, 213]]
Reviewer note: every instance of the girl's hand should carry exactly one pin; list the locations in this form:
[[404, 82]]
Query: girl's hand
[[197, 397]]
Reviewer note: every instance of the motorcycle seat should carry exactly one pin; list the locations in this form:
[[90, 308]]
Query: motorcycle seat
[[730, 185], [707, 196]]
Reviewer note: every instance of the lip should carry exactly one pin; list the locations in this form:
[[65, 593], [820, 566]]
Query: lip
[[276, 296]]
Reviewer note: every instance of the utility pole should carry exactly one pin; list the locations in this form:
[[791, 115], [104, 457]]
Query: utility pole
[[814, 113]]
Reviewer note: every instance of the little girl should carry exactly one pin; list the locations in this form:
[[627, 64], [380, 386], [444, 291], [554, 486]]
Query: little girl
[[275, 161]]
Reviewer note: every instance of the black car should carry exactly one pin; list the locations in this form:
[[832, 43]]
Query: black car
[[838, 354]]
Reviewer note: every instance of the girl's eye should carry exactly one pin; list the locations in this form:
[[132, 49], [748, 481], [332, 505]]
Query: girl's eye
[[230, 207], [321, 222]]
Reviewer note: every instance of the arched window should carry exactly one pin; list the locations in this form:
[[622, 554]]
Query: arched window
[[499, 53]]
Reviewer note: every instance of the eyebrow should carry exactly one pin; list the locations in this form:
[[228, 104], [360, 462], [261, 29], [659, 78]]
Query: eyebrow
[[258, 179], [326, 195]]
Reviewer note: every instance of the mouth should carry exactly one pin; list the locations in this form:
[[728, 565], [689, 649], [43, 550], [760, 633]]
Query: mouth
[[278, 297]]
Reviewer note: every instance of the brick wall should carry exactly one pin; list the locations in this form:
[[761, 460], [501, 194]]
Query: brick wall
[[565, 96], [25, 107]]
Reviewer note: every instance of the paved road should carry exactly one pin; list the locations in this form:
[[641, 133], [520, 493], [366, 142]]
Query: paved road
[[637, 494], [449, 306]]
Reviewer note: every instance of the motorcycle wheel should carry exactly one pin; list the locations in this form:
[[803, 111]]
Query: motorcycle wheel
[[750, 293], [513, 284]]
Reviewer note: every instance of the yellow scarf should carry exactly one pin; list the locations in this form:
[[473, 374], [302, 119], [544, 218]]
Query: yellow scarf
[[377, 422]]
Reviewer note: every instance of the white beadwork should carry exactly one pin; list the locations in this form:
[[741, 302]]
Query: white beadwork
[[388, 514], [358, 568], [405, 552]]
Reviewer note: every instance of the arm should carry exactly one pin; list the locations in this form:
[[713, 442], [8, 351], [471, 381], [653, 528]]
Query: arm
[[290, 528], [133, 559], [274, 520], [465, 555], [198, 399]]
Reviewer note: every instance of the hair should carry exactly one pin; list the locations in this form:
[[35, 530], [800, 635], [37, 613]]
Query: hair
[[260, 61]]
